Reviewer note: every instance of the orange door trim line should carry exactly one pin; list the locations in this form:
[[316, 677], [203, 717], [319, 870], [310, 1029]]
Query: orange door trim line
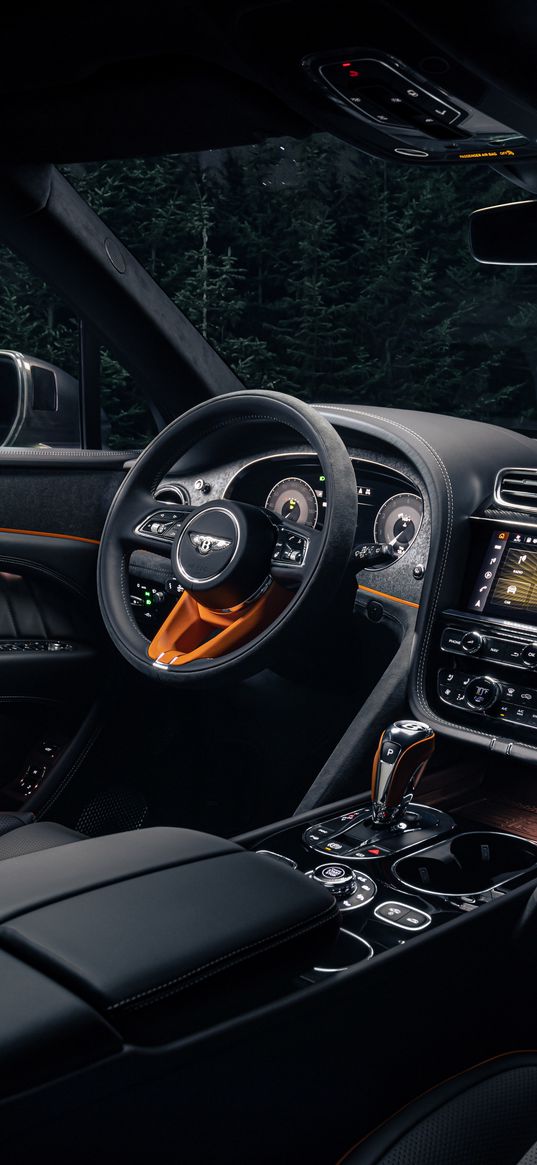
[[49, 534]]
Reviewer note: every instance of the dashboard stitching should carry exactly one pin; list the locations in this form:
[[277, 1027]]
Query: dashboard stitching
[[423, 656], [241, 418]]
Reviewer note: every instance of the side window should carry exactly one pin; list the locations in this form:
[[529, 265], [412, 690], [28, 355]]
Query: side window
[[40, 353], [39, 358], [126, 419]]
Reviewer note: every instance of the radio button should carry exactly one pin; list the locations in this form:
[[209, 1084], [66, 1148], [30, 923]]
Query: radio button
[[512, 653], [451, 639], [472, 642]]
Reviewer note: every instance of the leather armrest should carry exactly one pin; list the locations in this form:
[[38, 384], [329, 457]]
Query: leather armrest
[[124, 938]]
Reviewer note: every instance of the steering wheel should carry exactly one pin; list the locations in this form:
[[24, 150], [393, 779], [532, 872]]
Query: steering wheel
[[249, 576]]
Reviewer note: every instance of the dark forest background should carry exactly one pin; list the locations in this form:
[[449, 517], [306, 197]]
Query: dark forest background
[[312, 269]]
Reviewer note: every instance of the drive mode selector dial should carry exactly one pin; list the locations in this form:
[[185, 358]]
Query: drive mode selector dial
[[339, 878], [482, 693]]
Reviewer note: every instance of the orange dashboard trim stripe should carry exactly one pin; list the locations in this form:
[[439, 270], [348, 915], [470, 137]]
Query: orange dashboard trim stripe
[[383, 595], [48, 534]]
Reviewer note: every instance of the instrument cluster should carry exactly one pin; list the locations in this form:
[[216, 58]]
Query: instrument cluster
[[294, 487]]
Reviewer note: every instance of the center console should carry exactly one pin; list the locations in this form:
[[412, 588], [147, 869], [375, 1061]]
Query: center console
[[483, 667]]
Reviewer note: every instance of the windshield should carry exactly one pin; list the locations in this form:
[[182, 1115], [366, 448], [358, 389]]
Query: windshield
[[318, 271]]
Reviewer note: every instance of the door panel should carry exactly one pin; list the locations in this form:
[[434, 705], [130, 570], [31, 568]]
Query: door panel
[[53, 505]]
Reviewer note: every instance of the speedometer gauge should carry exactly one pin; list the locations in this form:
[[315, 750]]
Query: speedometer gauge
[[293, 499], [398, 521]]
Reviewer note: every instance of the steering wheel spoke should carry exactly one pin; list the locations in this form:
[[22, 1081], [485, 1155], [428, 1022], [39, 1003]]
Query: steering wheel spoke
[[193, 632], [295, 553]]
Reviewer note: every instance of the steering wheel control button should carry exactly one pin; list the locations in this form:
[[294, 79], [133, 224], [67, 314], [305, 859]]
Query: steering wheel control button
[[483, 693], [338, 878], [472, 642], [400, 915], [163, 524], [290, 548]]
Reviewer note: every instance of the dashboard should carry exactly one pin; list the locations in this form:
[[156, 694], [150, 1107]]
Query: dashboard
[[465, 555], [390, 509]]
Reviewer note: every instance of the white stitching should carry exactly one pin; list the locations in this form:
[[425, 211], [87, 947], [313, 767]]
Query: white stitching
[[427, 635], [229, 961]]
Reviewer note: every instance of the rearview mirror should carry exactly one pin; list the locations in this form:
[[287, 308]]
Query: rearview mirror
[[505, 235]]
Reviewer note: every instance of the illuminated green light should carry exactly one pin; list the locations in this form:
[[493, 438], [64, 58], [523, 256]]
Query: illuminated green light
[[322, 477], [148, 603]]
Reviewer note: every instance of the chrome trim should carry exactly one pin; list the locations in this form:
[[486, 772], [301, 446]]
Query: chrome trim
[[392, 498], [302, 482], [271, 853], [306, 453], [295, 565], [194, 518], [147, 534], [400, 925], [497, 492], [360, 817], [359, 939], [530, 522], [423, 890], [175, 487]]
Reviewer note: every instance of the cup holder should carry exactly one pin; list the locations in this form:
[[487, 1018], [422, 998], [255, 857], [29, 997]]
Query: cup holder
[[343, 952], [470, 863]]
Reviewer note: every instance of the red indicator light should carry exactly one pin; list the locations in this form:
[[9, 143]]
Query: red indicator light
[[373, 851], [353, 73], [346, 65]]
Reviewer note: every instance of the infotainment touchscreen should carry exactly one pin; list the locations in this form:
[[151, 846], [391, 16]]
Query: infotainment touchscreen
[[506, 584]]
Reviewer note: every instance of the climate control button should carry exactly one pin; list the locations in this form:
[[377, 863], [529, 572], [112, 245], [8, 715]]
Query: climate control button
[[482, 693]]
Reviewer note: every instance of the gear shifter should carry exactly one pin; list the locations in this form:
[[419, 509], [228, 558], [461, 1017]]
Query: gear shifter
[[400, 760]]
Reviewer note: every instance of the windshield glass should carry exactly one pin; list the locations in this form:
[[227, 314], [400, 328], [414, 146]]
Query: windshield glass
[[318, 271]]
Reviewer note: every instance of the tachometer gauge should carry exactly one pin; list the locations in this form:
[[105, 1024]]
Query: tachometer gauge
[[293, 499], [398, 521]]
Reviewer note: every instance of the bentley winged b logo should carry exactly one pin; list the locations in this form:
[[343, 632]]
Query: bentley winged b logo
[[207, 543]]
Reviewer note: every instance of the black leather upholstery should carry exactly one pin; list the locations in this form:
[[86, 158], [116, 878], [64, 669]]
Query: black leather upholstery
[[131, 919], [486, 1116], [29, 839]]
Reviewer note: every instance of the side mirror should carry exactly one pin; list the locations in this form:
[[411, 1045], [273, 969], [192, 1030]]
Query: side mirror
[[505, 235], [39, 403]]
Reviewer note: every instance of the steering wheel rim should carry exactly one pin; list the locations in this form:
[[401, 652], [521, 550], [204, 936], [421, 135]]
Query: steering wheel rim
[[135, 499]]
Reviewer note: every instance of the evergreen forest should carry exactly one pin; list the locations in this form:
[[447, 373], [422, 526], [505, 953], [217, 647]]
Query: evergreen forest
[[312, 269]]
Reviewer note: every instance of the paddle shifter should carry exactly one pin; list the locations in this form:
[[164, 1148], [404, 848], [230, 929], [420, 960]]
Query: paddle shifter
[[400, 760]]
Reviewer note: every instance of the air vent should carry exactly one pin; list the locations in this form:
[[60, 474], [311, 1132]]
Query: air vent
[[172, 491], [517, 489]]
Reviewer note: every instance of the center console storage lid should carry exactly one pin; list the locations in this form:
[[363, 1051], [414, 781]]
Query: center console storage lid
[[147, 916]]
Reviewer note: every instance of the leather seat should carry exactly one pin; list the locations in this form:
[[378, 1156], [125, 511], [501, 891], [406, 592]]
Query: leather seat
[[486, 1116], [39, 835]]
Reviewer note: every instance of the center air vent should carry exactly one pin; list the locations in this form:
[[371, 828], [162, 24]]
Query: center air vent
[[516, 489]]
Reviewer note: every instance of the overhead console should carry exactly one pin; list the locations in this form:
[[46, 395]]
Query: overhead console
[[411, 116]]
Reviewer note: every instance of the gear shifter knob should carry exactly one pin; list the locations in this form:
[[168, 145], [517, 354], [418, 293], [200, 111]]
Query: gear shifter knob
[[403, 752]]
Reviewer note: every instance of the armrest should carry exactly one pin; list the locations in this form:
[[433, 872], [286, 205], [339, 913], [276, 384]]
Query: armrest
[[130, 920]]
